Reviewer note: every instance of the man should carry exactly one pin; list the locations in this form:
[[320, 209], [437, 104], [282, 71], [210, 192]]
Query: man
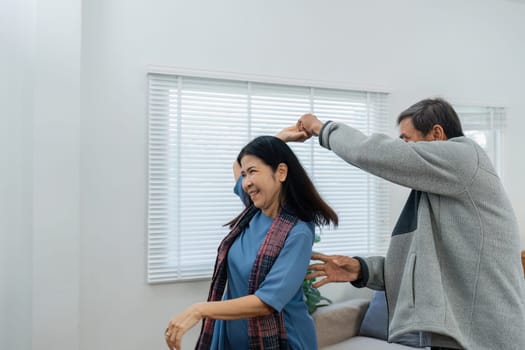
[[452, 270]]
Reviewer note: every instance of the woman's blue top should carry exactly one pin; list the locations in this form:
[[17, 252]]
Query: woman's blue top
[[281, 289]]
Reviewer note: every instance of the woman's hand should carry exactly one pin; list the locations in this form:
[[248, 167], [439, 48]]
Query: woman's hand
[[233, 309], [292, 133], [180, 325], [335, 268]]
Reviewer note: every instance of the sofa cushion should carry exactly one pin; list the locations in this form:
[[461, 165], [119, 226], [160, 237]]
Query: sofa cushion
[[375, 323], [337, 322]]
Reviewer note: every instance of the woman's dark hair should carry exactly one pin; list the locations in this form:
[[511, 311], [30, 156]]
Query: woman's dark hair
[[431, 111], [298, 195]]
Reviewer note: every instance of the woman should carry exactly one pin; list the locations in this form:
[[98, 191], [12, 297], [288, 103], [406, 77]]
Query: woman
[[263, 260]]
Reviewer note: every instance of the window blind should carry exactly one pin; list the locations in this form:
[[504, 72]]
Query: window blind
[[198, 125]]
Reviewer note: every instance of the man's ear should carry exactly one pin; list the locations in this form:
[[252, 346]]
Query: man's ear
[[282, 172], [438, 134]]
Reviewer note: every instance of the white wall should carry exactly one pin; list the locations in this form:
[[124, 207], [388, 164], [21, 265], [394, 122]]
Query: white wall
[[56, 192], [40, 174], [86, 170], [16, 122]]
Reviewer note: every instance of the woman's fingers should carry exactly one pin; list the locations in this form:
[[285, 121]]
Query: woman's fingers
[[176, 337], [179, 325], [173, 335], [167, 338]]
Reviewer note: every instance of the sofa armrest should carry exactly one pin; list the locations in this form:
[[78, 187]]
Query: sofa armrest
[[339, 321]]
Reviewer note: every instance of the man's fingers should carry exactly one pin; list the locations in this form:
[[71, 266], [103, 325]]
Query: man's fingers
[[315, 274], [321, 257], [320, 283], [316, 267]]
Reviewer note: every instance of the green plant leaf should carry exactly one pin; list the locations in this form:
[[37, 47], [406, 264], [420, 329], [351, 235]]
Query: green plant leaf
[[312, 296]]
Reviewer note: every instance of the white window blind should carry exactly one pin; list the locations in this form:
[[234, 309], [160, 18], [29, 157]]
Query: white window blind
[[485, 125], [197, 126]]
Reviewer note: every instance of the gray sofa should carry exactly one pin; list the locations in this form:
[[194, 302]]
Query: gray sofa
[[338, 326]]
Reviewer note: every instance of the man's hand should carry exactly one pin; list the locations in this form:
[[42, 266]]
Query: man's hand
[[335, 268], [292, 133], [310, 124]]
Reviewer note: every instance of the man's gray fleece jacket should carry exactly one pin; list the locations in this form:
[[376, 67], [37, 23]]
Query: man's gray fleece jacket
[[452, 270]]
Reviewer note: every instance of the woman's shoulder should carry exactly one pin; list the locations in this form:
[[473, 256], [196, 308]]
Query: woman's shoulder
[[304, 225], [303, 228]]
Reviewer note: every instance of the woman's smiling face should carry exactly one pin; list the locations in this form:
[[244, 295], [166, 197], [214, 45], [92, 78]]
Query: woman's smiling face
[[262, 184]]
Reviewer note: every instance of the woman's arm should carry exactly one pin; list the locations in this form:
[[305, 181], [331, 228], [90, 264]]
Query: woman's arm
[[293, 133], [234, 309], [236, 170]]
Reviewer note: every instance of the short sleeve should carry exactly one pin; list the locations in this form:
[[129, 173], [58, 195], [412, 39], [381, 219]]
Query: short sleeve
[[237, 189], [287, 273]]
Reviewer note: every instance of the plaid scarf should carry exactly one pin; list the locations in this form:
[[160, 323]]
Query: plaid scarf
[[264, 332]]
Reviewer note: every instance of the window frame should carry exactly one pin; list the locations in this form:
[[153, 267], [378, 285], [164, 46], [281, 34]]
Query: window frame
[[154, 274]]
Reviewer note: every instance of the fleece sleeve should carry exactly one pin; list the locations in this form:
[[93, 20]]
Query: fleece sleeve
[[441, 167]]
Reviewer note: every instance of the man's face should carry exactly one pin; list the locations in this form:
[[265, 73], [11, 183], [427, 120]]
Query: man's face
[[407, 132]]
